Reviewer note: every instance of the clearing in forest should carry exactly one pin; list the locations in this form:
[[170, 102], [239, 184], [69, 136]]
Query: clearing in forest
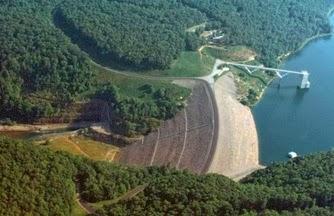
[[83, 146]]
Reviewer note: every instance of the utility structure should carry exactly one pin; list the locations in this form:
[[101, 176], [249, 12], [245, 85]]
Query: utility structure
[[304, 75]]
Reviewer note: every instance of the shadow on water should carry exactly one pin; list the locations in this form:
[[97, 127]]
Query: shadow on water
[[299, 96]]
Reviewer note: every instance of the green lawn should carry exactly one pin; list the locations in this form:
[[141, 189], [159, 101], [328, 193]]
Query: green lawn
[[133, 86], [189, 64]]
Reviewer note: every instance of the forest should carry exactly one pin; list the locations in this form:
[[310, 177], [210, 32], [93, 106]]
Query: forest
[[151, 34], [133, 116], [142, 34], [38, 181], [271, 28], [41, 70], [42, 73]]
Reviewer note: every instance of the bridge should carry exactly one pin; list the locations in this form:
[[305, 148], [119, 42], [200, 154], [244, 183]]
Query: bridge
[[304, 75]]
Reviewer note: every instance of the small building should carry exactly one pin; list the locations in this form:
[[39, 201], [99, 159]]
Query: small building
[[218, 39], [292, 155]]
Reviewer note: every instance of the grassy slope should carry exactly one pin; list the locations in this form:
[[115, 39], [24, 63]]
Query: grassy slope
[[189, 64], [130, 86], [245, 82], [83, 146]]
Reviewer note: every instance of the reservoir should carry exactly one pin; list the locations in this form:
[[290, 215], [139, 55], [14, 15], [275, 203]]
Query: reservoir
[[290, 119]]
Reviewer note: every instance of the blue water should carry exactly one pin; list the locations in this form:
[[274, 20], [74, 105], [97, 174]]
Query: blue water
[[290, 119]]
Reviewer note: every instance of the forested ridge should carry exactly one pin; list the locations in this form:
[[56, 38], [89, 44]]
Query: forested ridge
[[37, 181], [150, 34], [40, 69], [42, 74], [271, 28], [144, 34]]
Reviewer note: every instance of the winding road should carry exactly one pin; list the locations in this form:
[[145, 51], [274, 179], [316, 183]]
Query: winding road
[[207, 82]]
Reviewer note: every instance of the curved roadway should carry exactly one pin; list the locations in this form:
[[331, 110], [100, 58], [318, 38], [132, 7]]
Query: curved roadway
[[208, 82]]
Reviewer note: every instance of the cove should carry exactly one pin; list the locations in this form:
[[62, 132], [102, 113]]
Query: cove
[[290, 119]]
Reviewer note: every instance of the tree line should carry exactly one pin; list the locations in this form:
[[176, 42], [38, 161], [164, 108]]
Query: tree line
[[36, 180]]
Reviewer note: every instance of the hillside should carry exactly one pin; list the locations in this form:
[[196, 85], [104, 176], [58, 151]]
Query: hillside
[[146, 34], [43, 76], [54, 56], [271, 28], [36, 180], [40, 70], [44, 69]]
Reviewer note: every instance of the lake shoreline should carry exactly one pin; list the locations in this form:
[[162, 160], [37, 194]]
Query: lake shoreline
[[237, 151], [295, 124], [306, 41], [284, 57]]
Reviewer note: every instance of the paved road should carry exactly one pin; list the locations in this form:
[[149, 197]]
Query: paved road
[[210, 79]]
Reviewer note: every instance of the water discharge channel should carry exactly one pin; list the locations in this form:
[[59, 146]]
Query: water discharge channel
[[289, 119]]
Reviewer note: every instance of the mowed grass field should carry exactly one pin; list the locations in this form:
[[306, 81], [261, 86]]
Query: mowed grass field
[[189, 64], [132, 86], [83, 146]]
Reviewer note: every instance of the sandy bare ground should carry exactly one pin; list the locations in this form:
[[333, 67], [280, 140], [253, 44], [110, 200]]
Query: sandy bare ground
[[237, 151]]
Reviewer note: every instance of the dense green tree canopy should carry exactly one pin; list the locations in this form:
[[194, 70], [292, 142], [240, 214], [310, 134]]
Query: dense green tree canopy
[[145, 34], [272, 28], [42, 72], [34, 181], [40, 68], [150, 34], [132, 116], [37, 181]]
